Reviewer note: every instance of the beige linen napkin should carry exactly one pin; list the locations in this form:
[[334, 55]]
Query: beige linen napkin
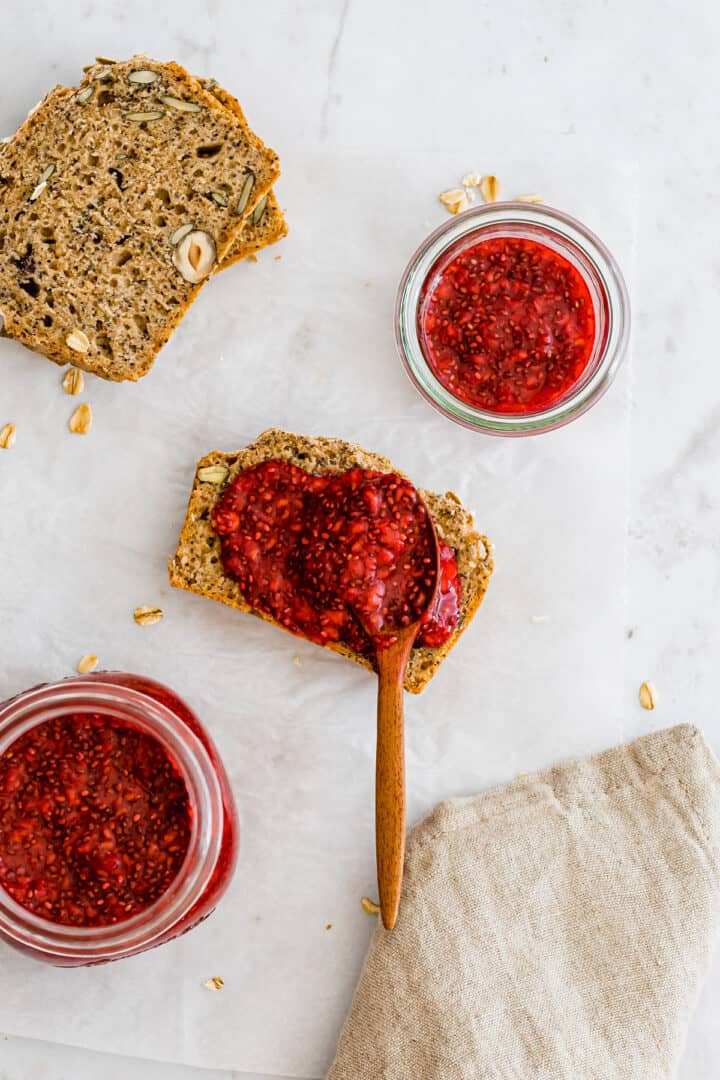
[[557, 928]]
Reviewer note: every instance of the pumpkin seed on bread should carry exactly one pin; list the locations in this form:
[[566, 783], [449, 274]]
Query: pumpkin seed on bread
[[196, 565], [94, 186]]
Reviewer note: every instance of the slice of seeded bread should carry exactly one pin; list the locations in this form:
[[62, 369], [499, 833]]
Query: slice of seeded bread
[[197, 564], [93, 188], [266, 224]]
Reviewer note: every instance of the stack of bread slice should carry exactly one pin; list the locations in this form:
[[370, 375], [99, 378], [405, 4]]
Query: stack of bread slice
[[118, 201]]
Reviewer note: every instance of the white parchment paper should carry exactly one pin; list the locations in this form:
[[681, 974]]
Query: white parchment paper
[[86, 526]]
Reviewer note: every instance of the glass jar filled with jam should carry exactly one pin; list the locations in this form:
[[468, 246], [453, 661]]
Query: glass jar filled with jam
[[118, 829], [512, 319]]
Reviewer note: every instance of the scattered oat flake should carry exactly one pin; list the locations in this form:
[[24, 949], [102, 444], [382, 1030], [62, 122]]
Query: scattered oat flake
[[296, 661], [74, 381], [539, 618], [454, 200], [216, 983], [521, 774], [648, 695], [489, 188], [278, 258], [329, 926], [81, 420], [369, 906], [529, 198], [87, 663], [471, 179], [7, 437], [147, 615]]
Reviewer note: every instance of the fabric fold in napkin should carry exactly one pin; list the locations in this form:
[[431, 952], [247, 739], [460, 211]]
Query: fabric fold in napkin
[[557, 928]]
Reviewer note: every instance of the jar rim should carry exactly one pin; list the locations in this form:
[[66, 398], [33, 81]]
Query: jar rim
[[567, 231], [126, 704]]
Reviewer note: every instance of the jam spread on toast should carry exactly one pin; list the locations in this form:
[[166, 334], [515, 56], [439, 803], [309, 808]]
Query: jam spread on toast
[[327, 555]]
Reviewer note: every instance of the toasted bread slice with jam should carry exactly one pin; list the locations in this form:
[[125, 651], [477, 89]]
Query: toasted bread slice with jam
[[197, 567]]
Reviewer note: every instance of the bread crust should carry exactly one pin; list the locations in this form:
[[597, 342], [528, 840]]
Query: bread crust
[[197, 566]]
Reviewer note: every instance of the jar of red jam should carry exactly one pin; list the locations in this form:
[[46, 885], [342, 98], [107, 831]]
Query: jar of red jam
[[118, 829], [512, 319]]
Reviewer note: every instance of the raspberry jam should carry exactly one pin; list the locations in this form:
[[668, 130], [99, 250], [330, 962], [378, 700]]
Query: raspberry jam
[[512, 319], [507, 324], [117, 825], [95, 820], [327, 556]]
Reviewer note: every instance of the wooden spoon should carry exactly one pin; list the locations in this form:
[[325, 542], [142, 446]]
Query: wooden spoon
[[393, 648]]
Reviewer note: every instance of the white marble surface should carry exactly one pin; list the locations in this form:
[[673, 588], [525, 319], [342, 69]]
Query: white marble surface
[[500, 87]]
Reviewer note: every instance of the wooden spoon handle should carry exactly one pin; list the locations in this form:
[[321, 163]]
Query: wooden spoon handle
[[390, 775]]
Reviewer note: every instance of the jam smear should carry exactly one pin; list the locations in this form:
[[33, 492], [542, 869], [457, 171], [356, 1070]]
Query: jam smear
[[327, 555], [507, 325], [95, 820]]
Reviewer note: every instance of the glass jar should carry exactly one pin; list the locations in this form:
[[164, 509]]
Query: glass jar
[[154, 710], [568, 238]]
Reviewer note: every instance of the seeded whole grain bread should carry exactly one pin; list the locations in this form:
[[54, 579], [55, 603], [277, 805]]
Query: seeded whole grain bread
[[266, 224], [94, 187], [197, 566]]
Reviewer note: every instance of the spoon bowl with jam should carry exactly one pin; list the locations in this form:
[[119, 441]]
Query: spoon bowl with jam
[[347, 558]]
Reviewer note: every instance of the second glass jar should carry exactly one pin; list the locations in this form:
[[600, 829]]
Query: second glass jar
[[161, 718]]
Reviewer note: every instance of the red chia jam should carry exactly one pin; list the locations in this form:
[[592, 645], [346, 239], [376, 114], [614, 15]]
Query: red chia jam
[[95, 820], [327, 555], [507, 325]]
